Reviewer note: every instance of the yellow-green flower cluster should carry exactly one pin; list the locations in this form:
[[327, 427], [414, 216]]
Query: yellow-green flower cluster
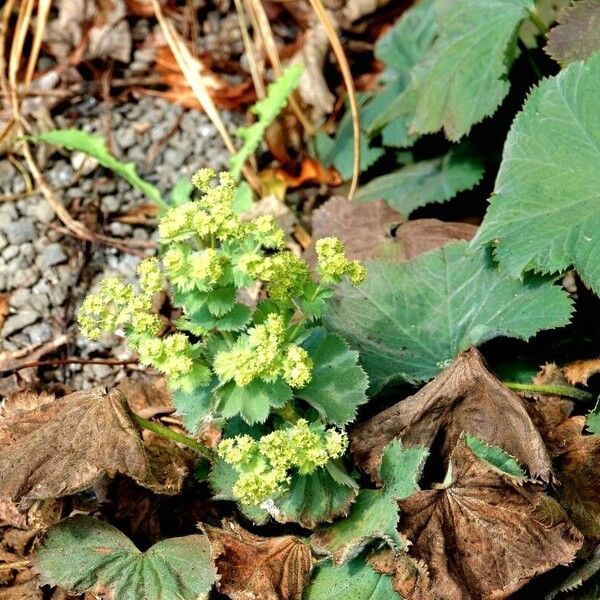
[[264, 465], [263, 353], [117, 306], [286, 276], [333, 264], [172, 355]]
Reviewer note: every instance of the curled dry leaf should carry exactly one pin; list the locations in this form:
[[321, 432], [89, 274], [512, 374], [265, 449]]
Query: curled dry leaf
[[579, 371], [251, 567], [465, 397], [63, 446], [423, 235], [483, 535], [577, 474], [366, 229], [4, 307]]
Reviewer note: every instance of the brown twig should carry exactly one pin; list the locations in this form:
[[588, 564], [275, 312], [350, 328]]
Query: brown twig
[[71, 361]]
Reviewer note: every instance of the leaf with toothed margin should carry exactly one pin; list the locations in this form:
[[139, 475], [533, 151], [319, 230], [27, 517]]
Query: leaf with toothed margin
[[409, 320], [338, 384], [495, 456], [84, 554], [544, 214], [463, 77], [374, 515]]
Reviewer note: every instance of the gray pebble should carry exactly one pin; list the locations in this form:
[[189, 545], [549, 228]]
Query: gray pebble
[[8, 212], [42, 211], [19, 321], [7, 173], [119, 229], [10, 252], [25, 277], [20, 231], [125, 137], [3, 242], [20, 298], [60, 174], [174, 157], [110, 204], [39, 333], [53, 255]]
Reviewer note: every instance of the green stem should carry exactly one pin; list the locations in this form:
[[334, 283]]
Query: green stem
[[173, 435], [556, 390], [535, 19], [288, 413]]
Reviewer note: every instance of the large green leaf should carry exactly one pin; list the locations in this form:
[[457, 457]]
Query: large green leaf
[[426, 181], [338, 385], [545, 211], [463, 78], [84, 554], [356, 580], [409, 320], [94, 146], [374, 515], [194, 407]]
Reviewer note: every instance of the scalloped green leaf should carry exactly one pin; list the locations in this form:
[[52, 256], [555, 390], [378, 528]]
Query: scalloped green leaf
[[426, 181], [544, 214], [463, 78], [254, 401], [94, 146], [267, 111], [316, 498], [355, 580], [338, 385], [83, 554], [194, 406], [592, 420], [495, 456], [374, 515], [577, 35], [409, 320]]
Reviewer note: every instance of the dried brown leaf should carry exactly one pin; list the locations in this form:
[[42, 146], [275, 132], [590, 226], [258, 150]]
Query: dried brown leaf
[[147, 396], [465, 397], [579, 371], [65, 446], [577, 35], [4, 306], [366, 229], [423, 235], [253, 567], [484, 535]]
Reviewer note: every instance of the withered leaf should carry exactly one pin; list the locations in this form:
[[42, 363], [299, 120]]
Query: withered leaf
[[464, 398], [252, 567], [577, 473], [64, 446], [365, 229], [484, 534], [580, 371], [423, 235]]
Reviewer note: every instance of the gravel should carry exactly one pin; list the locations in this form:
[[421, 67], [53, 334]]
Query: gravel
[[20, 231]]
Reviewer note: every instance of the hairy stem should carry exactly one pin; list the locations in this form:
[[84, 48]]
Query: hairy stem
[[555, 390], [173, 435]]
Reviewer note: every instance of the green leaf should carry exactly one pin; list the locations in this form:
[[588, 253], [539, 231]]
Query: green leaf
[[374, 515], [494, 456], [592, 421], [426, 181], [253, 401], [356, 580], [315, 498], [266, 110], [84, 554], [194, 407], [182, 192], [577, 35], [220, 301], [409, 320], [463, 78], [544, 214], [243, 198], [338, 383], [94, 146]]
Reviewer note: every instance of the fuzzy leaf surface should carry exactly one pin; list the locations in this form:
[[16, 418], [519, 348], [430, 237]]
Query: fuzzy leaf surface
[[84, 554], [339, 384], [409, 320], [426, 181], [462, 79], [577, 35], [374, 515], [544, 214], [350, 581], [494, 456], [94, 146]]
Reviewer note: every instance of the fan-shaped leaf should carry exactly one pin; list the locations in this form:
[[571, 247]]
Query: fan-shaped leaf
[[544, 214]]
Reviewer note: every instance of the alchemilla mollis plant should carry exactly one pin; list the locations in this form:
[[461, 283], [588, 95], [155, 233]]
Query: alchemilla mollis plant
[[281, 387]]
